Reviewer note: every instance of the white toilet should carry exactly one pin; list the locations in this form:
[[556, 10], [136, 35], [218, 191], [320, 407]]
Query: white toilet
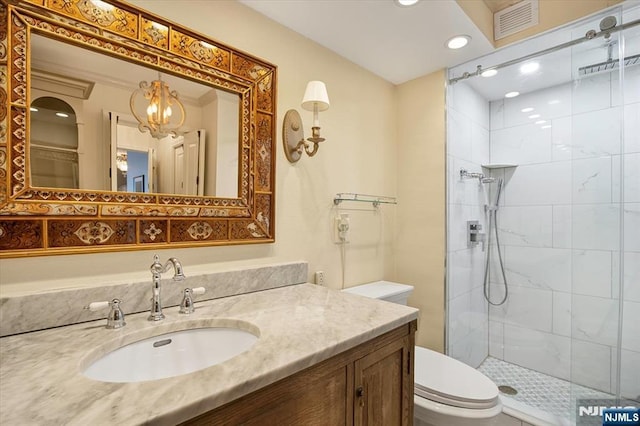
[[447, 392]]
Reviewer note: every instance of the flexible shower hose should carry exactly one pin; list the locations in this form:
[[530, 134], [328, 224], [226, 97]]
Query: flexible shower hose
[[493, 223]]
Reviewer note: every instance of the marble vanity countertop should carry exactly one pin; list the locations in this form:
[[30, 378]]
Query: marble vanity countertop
[[299, 326]]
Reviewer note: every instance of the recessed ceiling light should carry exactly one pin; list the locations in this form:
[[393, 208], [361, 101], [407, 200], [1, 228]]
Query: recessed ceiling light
[[554, 101], [489, 73], [529, 67], [541, 121], [458, 41], [34, 109], [405, 3], [62, 114], [534, 116], [511, 94], [528, 109], [547, 126]]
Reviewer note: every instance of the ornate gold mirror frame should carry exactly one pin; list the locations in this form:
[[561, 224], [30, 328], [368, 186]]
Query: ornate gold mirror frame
[[41, 221]]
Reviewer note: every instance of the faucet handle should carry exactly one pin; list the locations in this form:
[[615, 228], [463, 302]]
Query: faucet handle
[[96, 306], [187, 305], [115, 319]]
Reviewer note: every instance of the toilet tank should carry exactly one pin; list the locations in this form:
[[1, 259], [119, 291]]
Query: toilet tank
[[383, 290]]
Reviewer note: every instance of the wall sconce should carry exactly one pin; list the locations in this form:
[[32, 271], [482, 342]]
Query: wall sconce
[[315, 99], [160, 109]]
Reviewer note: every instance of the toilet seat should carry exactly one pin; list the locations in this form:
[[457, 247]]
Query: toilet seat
[[448, 381]]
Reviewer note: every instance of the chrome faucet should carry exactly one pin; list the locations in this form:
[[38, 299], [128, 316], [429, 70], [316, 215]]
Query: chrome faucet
[[115, 319], [157, 269]]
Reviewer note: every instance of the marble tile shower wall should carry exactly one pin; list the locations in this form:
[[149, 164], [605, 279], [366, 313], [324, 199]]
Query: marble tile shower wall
[[468, 148], [559, 226]]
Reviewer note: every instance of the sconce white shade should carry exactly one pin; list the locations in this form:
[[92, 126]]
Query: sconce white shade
[[316, 93], [315, 99]]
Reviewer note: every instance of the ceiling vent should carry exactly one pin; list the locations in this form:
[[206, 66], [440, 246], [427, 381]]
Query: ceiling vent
[[515, 18]]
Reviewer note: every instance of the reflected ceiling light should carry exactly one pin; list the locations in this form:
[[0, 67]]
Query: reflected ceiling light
[[489, 73], [528, 109], [546, 126], [161, 112], [534, 116], [102, 5], [315, 99], [458, 42], [62, 114], [554, 101], [33, 109], [511, 94], [529, 67], [159, 27], [405, 3], [541, 121]]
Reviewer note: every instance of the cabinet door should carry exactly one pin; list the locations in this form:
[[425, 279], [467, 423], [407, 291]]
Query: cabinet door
[[384, 386], [314, 397]]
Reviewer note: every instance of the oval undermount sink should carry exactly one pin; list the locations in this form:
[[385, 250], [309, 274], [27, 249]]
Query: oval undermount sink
[[171, 354]]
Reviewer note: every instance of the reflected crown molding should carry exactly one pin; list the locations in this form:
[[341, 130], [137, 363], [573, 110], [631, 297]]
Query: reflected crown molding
[[61, 84]]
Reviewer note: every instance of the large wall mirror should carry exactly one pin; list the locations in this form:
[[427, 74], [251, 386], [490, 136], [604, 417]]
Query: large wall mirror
[[79, 172]]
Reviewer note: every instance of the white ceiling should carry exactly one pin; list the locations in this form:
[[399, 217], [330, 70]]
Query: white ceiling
[[397, 43]]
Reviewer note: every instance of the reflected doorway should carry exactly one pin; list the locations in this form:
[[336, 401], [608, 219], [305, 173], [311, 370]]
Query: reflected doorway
[[132, 170], [53, 144]]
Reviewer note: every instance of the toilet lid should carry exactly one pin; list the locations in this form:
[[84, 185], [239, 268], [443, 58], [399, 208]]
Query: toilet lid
[[446, 380], [380, 290]]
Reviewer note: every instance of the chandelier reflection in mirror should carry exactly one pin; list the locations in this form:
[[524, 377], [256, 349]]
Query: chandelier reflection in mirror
[[162, 113], [121, 161]]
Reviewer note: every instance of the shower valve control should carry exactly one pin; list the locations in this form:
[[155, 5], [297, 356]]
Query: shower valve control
[[474, 236]]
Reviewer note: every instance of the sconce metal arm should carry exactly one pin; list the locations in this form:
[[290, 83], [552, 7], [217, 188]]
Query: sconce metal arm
[[306, 147], [293, 137]]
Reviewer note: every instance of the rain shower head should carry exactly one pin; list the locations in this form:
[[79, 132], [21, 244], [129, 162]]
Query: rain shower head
[[608, 23], [609, 65]]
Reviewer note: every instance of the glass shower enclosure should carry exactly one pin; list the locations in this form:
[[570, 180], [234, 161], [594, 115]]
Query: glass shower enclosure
[[543, 215]]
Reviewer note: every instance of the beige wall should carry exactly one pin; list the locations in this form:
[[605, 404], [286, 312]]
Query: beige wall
[[480, 14], [358, 156], [420, 227], [381, 139], [552, 13]]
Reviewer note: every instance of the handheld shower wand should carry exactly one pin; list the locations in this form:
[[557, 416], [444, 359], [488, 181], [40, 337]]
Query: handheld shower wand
[[492, 209]]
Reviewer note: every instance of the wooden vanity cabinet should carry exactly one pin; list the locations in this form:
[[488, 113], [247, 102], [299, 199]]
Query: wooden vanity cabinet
[[371, 384]]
